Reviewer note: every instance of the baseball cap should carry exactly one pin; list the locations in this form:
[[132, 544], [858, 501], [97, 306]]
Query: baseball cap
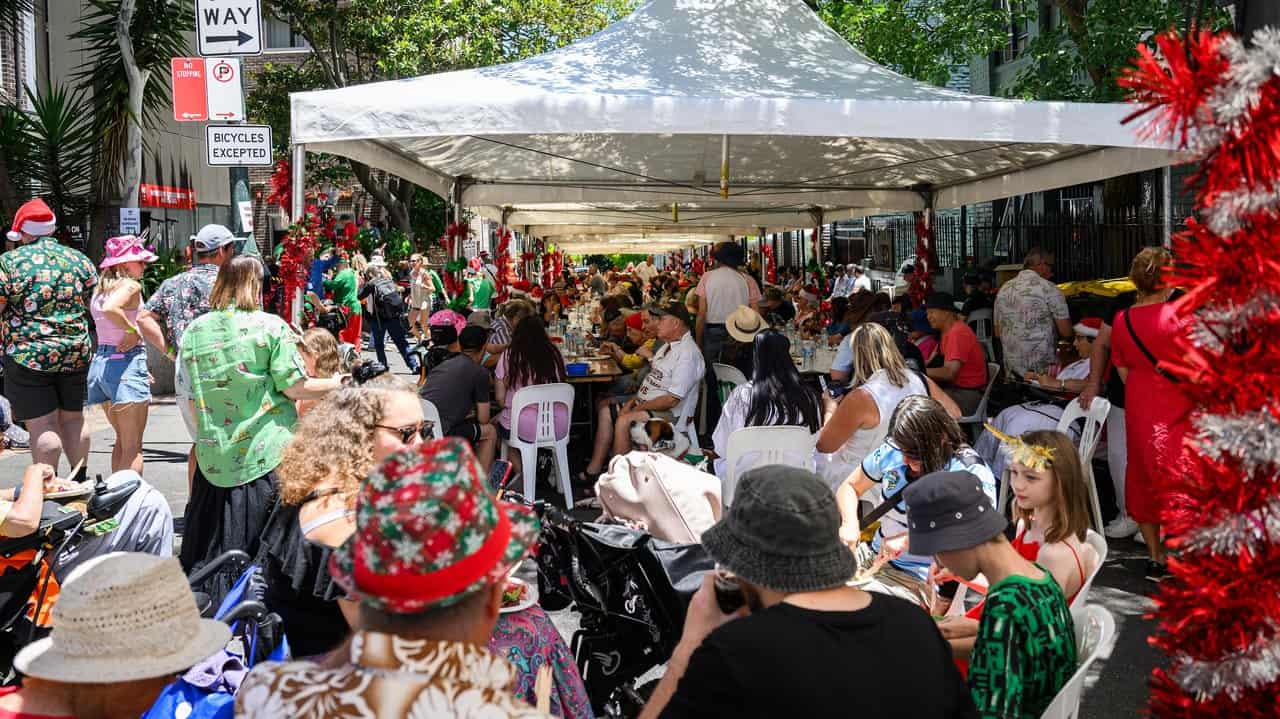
[[211, 237], [675, 308]]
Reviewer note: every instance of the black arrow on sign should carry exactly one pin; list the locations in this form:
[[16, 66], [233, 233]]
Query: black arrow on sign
[[241, 36]]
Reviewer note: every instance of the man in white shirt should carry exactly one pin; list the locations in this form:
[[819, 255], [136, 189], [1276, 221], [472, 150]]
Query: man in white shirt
[[675, 372], [861, 282], [645, 271], [844, 283], [1028, 311], [720, 292]]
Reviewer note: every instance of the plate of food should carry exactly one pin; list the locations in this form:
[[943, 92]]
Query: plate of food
[[518, 596]]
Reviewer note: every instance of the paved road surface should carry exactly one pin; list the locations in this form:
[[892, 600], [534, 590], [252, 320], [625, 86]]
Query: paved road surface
[[1116, 688]]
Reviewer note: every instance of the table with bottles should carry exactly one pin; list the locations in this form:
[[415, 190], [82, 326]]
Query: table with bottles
[[811, 356]]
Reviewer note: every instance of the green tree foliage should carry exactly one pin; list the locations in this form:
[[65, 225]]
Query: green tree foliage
[[1079, 55], [923, 39], [362, 41]]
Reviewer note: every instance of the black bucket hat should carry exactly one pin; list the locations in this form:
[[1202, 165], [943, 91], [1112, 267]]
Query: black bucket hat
[[782, 532], [947, 512]]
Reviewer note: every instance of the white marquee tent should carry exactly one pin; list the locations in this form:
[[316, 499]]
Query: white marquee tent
[[628, 131]]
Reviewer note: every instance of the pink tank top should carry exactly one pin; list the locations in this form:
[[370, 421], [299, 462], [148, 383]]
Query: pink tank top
[[108, 332]]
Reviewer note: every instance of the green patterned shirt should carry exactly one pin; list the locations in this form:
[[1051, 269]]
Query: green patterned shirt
[[45, 288], [239, 364], [1025, 650]]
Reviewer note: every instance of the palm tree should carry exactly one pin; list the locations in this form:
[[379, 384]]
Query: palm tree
[[62, 148]]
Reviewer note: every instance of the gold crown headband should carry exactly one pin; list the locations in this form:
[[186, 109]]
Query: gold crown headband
[[1034, 456]]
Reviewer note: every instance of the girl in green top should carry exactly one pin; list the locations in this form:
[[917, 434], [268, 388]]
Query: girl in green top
[[245, 373]]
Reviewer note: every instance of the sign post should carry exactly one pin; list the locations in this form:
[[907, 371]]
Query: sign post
[[238, 145], [223, 88], [190, 103], [228, 27]]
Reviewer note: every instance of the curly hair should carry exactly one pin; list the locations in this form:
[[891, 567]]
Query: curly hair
[[334, 441]]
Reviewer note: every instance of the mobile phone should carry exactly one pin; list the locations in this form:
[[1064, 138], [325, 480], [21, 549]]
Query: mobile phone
[[499, 473], [835, 392]]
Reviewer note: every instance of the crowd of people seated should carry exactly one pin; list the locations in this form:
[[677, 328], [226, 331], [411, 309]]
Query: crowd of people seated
[[386, 551]]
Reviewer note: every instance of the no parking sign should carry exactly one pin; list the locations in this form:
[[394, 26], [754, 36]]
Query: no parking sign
[[222, 83]]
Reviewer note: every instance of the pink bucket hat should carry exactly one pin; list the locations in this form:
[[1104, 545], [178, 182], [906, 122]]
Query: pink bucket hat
[[125, 248], [444, 318]]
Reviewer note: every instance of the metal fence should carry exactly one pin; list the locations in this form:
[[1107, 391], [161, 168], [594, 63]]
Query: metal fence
[[1082, 249]]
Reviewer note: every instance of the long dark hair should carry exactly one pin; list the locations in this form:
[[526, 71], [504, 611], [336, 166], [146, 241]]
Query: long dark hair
[[921, 428], [778, 396], [532, 358]]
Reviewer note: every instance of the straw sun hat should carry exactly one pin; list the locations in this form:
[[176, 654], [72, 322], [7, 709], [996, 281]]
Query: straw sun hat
[[122, 617]]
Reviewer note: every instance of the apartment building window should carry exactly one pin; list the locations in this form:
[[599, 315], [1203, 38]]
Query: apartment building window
[[1019, 34], [282, 37]]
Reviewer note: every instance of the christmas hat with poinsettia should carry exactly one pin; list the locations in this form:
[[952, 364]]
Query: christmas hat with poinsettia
[[33, 218], [429, 533]]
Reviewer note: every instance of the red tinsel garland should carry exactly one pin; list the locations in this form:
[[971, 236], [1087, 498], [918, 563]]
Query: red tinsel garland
[[922, 280], [454, 235], [1220, 613], [282, 188], [300, 246], [503, 262], [770, 267]]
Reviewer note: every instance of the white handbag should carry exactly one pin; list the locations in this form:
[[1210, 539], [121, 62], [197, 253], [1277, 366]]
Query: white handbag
[[665, 497]]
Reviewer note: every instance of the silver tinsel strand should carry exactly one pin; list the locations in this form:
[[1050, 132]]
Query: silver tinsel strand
[[1216, 324], [1230, 103], [1253, 439], [1237, 533], [1230, 208], [1233, 674]]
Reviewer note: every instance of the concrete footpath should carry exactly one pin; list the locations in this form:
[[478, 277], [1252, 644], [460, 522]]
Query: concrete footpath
[[1116, 686]]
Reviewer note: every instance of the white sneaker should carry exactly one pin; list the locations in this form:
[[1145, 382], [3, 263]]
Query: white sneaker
[[1119, 527]]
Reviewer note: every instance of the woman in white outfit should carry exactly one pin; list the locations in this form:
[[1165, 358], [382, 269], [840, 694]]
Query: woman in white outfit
[[880, 380]]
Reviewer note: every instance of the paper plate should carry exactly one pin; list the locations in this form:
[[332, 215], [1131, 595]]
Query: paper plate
[[530, 597]]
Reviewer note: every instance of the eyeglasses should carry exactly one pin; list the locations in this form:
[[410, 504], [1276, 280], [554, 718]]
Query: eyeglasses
[[422, 429]]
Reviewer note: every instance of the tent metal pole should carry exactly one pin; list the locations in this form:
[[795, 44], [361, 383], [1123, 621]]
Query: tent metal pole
[[724, 167], [297, 202]]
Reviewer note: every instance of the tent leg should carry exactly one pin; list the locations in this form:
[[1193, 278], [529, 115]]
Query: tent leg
[[298, 181]]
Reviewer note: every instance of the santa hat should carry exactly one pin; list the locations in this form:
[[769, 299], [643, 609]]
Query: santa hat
[[536, 293], [35, 219], [1089, 326]]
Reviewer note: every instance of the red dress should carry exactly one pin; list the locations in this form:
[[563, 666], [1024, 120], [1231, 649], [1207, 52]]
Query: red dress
[[1157, 413]]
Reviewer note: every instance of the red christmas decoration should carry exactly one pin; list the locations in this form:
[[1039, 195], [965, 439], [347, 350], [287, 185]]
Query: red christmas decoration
[[1219, 616], [770, 269], [505, 273], [300, 244], [454, 234], [282, 187], [922, 280]]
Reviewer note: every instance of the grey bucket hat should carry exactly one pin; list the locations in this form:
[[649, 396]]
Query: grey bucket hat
[[947, 512], [782, 532]]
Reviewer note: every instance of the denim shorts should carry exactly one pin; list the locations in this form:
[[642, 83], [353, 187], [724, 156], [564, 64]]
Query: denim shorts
[[119, 377]]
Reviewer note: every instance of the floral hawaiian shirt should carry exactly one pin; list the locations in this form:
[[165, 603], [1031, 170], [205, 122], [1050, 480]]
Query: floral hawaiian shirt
[[45, 289], [239, 364], [1025, 311], [181, 299], [388, 677]]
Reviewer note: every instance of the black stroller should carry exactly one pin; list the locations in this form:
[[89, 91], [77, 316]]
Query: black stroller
[[632, 591]]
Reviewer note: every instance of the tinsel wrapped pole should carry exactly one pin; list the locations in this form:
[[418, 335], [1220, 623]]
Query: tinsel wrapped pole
[[1219, 615], [922, 280], [505, 274]]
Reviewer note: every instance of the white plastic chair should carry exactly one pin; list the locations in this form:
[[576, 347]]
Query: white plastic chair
[[1095, 630], [544, 398], [979, 415], [769, 445], [685, 422], [1094, 418], [728, 375], [1099, 544], [982, 322], [432, 415]]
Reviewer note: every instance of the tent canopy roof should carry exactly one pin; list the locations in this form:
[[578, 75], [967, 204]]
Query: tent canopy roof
[[614, 129]]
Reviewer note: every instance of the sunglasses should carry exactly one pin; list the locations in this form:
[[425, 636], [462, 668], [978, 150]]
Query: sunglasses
[[422, 429]]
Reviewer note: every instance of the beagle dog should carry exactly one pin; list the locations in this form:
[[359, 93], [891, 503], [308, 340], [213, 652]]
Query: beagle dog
[[659, 435]]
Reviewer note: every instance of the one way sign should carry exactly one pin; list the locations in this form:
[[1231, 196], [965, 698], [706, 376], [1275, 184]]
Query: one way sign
[[228, 27]]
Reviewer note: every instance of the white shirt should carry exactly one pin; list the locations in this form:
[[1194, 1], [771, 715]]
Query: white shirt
[[886, 395], [1025, 311], [726, 289], [676, 369], [861, 283], [733, 417], [843, 286], [645, 272]]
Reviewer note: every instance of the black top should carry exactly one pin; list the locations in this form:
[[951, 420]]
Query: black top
[[299, 586], [887, 660], [782, 314]]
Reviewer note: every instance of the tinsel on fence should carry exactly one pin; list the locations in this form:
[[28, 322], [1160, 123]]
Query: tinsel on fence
[[926, 260], [1220, 614]]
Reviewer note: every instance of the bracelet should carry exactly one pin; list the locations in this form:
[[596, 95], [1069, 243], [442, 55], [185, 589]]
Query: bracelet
[[131, 330]]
